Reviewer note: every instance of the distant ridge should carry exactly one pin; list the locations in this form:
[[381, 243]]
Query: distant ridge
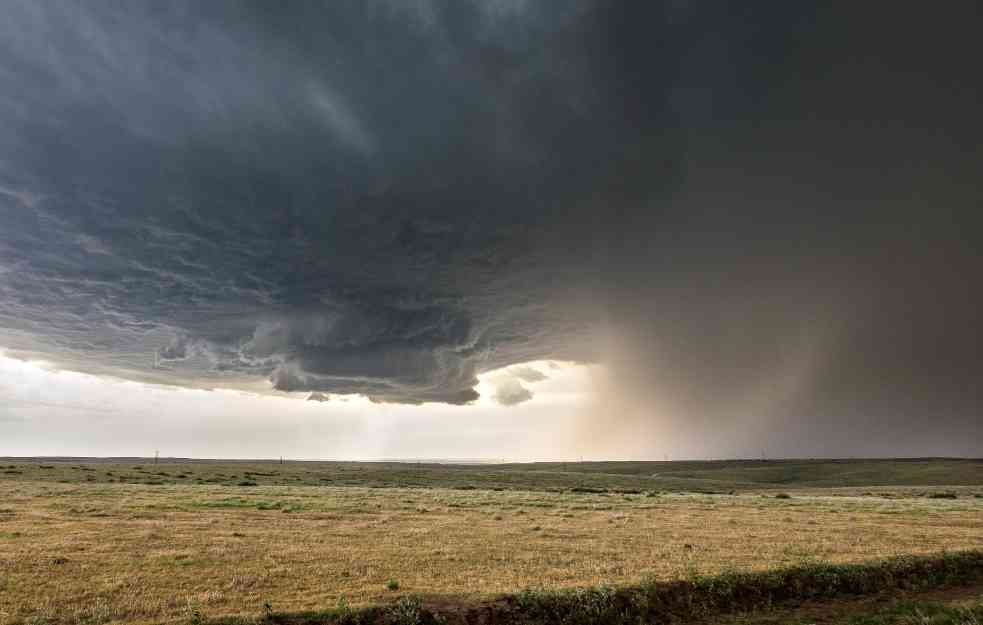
[[478, 461], [180, 460]]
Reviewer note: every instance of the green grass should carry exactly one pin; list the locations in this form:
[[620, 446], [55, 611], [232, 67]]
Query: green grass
[[923, 477], [923, 613]]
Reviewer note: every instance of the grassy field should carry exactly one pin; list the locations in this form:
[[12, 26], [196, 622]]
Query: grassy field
[[711, 477], [92, 543]]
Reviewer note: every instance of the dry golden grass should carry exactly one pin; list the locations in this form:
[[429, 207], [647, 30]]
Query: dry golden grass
[[97, 553]]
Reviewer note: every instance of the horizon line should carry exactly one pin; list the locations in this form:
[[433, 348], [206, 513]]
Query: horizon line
[[472, 461]]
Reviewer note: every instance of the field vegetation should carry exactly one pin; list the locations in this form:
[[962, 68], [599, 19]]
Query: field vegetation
[[93, 543], [690, 476]]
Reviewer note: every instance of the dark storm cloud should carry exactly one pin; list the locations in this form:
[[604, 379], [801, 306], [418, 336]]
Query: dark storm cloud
[[340, 197], [763, 210]]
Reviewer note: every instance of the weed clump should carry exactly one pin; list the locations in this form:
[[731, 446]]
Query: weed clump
[[579, 606], [392, 585], [406, 611], [195, 615], [588, 489], [343, 607]]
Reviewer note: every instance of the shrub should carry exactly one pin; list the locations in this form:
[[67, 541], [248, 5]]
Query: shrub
[[392, 585]]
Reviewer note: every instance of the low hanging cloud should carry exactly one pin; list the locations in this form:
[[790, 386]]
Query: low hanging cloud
[[392, 198], [511, 384], [511, 392], [528, 374]]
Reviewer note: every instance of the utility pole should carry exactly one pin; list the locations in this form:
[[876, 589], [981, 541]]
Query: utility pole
[[156, 455]]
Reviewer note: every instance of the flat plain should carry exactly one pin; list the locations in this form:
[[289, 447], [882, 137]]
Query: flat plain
[[130, 541]]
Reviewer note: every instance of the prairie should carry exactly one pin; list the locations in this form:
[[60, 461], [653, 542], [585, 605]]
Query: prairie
[[79, 546], [698, 476]]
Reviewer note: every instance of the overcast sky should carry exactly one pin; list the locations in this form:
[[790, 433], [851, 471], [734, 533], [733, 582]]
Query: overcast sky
[[733, 230]]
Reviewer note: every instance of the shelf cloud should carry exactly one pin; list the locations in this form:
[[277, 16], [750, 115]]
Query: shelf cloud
[[765, 212]]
